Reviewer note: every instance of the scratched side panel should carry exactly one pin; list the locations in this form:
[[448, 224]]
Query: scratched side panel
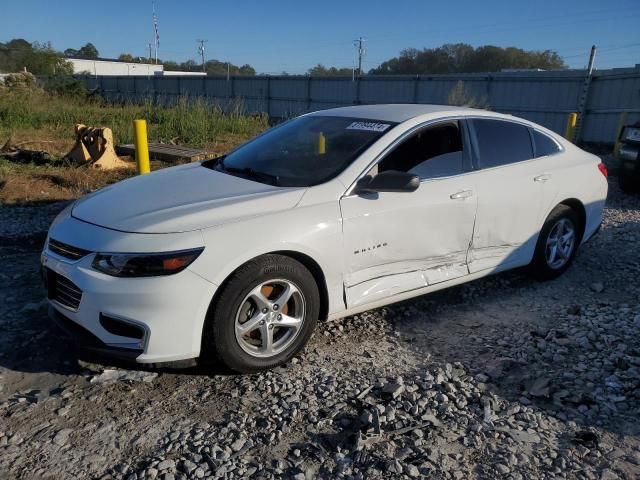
[[509, 214], [383, 287], [395, 242]]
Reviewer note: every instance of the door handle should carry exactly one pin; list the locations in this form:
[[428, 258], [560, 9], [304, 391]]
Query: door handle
[[461, 195], [542, 178]]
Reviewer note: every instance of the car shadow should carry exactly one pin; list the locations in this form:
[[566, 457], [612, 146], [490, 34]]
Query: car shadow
[[514, 335]]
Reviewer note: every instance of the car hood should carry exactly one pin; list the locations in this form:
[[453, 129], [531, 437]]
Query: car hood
[[181, 199]]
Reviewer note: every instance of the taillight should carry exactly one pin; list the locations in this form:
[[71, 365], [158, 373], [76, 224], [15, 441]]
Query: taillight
[[603, 169]]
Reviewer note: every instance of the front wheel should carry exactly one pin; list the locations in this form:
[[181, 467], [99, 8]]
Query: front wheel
[[557, 244], [264, 315]]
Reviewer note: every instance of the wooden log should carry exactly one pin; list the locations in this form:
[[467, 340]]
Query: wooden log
[[168, 153]]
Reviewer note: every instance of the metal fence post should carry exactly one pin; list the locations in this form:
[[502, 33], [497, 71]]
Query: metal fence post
[[570, 131], [142, 146], [268, 96], [621, 122]]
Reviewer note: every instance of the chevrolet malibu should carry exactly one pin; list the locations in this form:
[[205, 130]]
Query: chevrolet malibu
[[329, 214]]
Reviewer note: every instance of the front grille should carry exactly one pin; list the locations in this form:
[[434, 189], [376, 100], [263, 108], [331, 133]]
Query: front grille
[[67, 251], [63, 290]]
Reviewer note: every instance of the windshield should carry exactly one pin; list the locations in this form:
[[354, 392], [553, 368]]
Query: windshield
[[303, 152]]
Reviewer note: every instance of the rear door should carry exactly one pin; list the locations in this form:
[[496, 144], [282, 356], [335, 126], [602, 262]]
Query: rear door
[[509, 183]]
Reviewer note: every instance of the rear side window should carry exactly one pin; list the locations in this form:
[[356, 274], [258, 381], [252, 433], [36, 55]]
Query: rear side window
[[544, 144], [501, 143]]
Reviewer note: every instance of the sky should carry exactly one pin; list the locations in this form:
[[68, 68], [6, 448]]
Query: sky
[[277, 35]]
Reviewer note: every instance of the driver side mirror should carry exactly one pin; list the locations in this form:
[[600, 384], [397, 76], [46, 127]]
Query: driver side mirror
[[389, 181]]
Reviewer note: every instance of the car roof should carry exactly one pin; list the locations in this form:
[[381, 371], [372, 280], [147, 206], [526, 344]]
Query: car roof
[[399, 112]]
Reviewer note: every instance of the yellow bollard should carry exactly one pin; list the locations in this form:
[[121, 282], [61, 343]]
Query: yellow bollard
[[322, 144], [142, 147], [621, 123], [570, 132]]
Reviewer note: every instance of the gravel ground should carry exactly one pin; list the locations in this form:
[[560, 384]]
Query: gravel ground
[[500, 378]]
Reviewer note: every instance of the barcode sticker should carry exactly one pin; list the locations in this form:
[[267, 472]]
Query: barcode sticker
[[369, 126]]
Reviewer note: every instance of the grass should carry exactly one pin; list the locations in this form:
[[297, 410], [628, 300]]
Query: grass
[[29, 183], [189, 121], [40, 121]]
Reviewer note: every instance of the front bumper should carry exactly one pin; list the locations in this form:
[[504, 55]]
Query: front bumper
[[169, 310], [88, 343]]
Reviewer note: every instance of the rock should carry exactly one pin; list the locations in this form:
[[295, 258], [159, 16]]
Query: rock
[[539, 388], [110, 376], [62, 437], [393, 389], [597, 287], [151, 473], [238, 444], [411, 470], [166, 465], [188, 466], [608, 474], [523, 437]]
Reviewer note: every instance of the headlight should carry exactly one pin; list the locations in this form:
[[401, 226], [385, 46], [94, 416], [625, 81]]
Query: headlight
[[144, 264]]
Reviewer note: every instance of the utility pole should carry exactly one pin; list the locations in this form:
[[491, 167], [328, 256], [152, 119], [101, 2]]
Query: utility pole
[[201, 51], [592, 57], [584, 96], [155, 30], [361, 51]]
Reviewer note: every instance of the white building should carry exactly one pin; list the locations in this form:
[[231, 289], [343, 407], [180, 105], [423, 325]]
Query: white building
[[168, 73], [112, 67], [101, 66]]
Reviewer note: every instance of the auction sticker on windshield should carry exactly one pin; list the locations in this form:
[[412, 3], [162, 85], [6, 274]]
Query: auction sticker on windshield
[[369, 126]]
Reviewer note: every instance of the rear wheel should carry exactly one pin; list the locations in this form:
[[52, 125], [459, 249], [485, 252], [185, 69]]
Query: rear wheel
[[264, 315], [557, 244], [629, 182]]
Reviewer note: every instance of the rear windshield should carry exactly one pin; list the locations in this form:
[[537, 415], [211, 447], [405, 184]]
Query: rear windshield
[[303, 152]]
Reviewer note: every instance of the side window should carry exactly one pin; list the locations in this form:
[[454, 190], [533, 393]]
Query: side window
[[544, 144], [431, 152], [501, 143]]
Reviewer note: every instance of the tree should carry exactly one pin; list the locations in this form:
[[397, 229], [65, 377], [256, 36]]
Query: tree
[[126, 57], [170, 65], [321, 71], [88, 51], [462, 96], [39, 59], [463, 58], [211, 67]]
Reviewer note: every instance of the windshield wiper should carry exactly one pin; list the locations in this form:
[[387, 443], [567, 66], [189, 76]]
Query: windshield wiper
[[248, 172]]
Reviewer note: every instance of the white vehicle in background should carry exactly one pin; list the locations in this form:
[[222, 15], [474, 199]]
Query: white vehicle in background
[[326, 215]]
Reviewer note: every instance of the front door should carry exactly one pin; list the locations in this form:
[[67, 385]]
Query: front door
[[396, 242]]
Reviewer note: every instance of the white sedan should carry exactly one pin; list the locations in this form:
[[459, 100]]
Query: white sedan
[[326, 215]]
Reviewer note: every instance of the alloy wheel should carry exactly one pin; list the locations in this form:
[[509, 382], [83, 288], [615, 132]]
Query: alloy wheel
[[560, 243], [270, 318]]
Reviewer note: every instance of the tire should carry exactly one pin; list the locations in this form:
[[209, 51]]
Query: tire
[[247, 312], [542, 266], [628, 182]]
